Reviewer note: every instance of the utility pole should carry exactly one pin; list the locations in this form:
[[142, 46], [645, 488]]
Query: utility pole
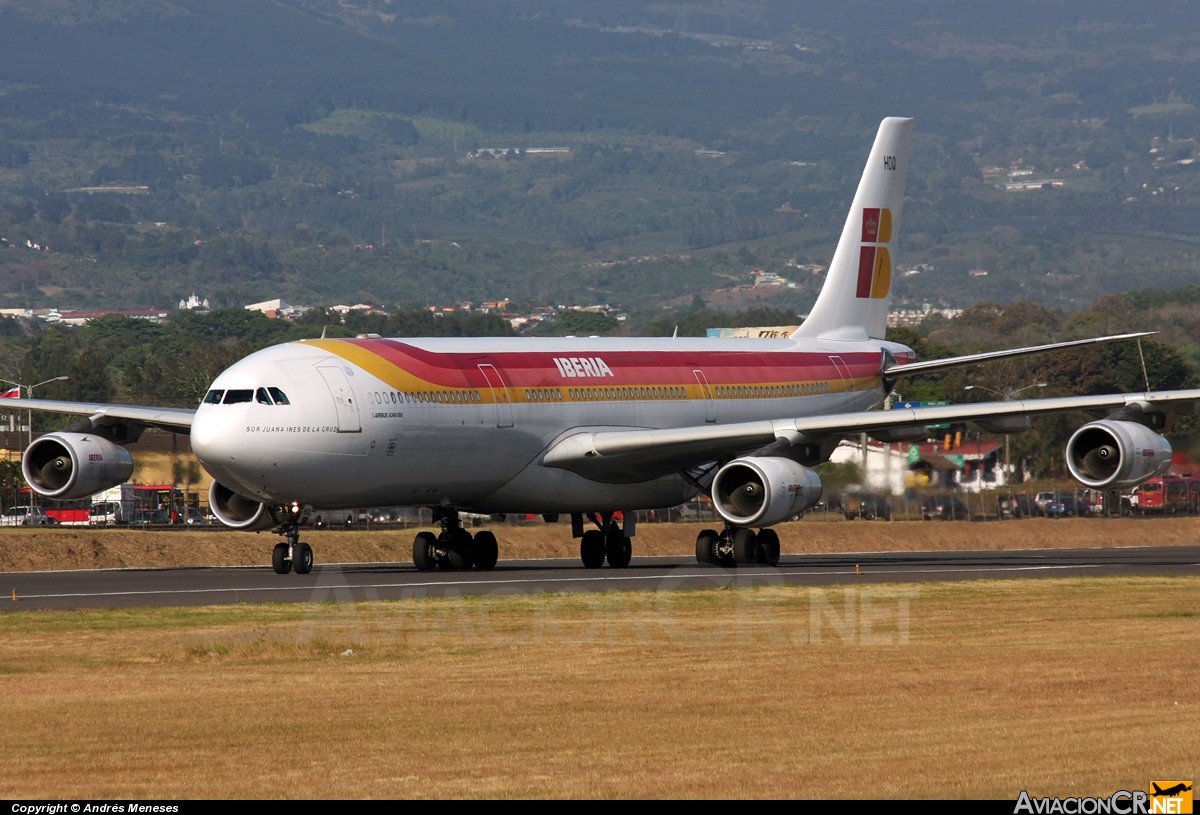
[[1006, 395], [29, 395]]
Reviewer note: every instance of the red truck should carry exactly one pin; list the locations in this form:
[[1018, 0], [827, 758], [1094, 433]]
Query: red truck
[[1167, 495]]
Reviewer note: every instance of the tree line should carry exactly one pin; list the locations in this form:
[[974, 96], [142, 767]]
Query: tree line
[[134, 361]]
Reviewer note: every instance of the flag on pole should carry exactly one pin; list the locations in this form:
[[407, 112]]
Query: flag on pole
[[12, 393]]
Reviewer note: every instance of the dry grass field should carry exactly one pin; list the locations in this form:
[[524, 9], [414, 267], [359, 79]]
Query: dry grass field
[[965, 690], [37, 548]]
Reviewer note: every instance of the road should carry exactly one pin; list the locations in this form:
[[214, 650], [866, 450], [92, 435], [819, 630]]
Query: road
[[127, 588]]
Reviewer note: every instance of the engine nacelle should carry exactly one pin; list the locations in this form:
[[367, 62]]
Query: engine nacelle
[[239, 512], [761, 491], [1116, 454], [74, 465]]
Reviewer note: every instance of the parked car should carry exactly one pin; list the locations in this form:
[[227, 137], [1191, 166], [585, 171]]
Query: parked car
[[1041, 500], [1109, 503], [945, 508], [865, 505], [692, 511], [149, 517], [105, 513], [1015, 506], [1065, 505], [25, 516]]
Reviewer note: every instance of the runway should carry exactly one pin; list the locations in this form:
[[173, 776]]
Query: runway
[[129, 588]]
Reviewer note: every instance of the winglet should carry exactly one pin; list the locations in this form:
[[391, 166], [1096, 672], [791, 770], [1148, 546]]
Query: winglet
[[853, 303]]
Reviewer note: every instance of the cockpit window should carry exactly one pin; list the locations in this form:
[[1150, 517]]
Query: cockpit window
[[263, 396], [233, 397]]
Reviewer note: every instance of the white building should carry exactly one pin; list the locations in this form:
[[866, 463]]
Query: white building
[[893, 469]]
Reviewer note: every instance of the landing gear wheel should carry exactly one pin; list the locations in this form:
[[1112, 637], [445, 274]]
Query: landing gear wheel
[[425, 551], [280, 559], [745, 547], [302, 558], [619, 551], [485, 552], [591, 549], [706, 547], [768, 547]]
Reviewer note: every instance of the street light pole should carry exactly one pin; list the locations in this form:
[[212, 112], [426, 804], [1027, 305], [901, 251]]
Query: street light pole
[[1007, 396], [29, 395], [888, 401]]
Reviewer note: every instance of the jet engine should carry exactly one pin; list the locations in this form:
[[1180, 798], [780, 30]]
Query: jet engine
[[761, 491], [75, 465], [1116, 454], [239, 512]]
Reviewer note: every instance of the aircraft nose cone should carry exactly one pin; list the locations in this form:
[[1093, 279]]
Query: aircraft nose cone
[[220, 446], [211, 440]]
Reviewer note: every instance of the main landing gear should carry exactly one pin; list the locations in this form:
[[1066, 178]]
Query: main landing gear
[[608, 541], [455, 548], [737, 546], [292, 556]]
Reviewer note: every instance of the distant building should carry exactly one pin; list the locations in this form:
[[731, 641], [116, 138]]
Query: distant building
[[505, 152], [80, 317], [900, 318], [363, 308], [895, 468], [272, 308], [1033, 184], [194, 303], [755, 332]]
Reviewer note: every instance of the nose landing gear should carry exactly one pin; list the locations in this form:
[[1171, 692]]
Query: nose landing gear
[[292, 556]]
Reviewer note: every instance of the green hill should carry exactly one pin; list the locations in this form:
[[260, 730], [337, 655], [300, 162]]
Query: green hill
[[569, 151]]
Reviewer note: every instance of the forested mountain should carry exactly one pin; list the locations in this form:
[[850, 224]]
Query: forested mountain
[[553, 151]]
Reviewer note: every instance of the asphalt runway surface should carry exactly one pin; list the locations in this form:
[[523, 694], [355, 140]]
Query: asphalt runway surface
[[128, 588]]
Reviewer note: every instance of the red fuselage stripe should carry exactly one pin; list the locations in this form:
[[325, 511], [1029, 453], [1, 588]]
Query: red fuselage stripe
[[392, 360]]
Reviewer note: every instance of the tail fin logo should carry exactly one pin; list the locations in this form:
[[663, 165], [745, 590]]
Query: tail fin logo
[[877, 225], [875, 262]]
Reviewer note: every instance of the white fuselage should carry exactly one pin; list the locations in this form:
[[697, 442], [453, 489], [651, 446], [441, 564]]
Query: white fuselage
[[465, 422]]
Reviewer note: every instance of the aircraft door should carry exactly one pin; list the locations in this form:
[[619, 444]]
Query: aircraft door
[[343, 398], [504, 414], [710, 404], [843, 372]]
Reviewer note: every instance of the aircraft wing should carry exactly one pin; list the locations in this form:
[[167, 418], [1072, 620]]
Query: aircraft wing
[[177, 420], [621, 456], [925, 366]]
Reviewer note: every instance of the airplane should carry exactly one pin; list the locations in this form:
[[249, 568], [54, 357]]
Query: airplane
[[1169, 792], [588, 427]]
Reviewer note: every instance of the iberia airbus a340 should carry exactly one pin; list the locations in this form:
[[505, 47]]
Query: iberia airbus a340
[[590, 428]]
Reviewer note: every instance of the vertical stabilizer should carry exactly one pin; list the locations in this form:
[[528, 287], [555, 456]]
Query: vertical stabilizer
[[853, 303]]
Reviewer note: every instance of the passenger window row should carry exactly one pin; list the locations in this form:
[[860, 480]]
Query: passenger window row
[[450, 397], [275, 396], [758, 391]]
